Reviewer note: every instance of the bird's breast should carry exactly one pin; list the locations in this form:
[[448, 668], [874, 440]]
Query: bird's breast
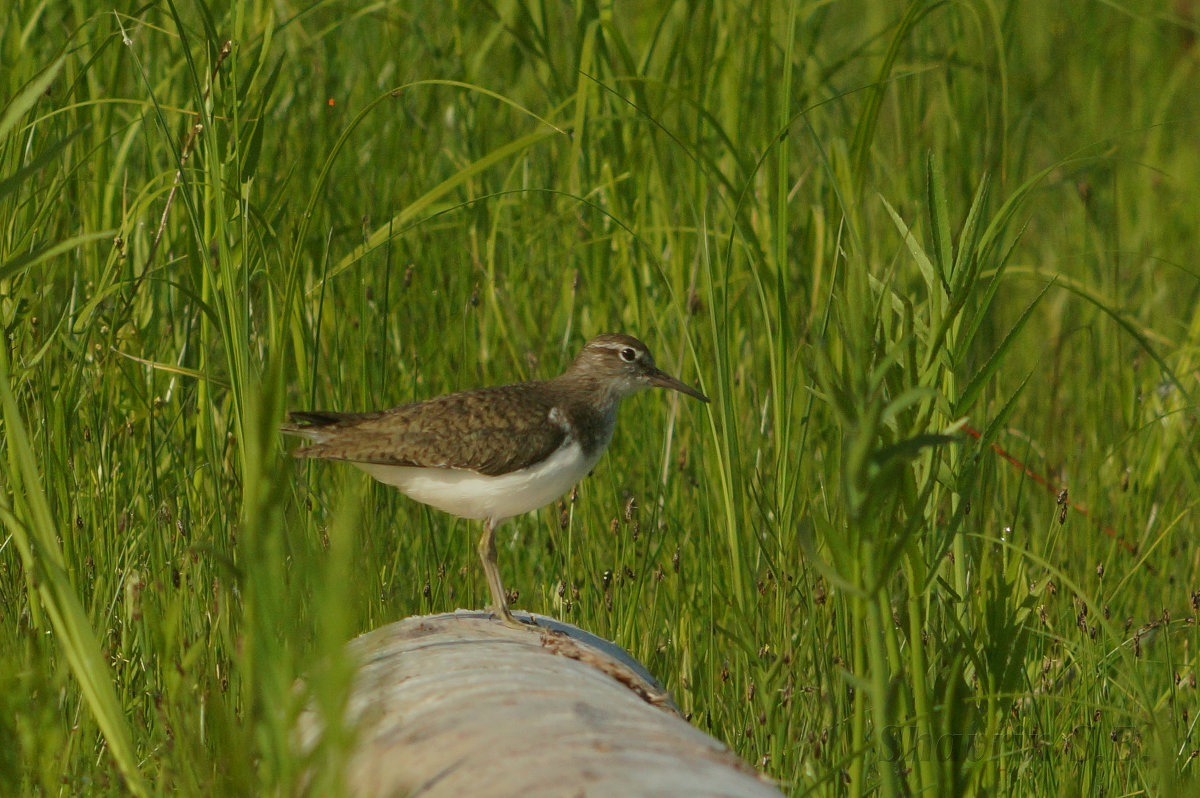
[[468, 494]]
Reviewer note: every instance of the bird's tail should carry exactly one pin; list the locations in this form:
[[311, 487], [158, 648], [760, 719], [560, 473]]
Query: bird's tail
[[310, 423]]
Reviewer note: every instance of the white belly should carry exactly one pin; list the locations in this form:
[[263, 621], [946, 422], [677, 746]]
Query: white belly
[[467, 494]]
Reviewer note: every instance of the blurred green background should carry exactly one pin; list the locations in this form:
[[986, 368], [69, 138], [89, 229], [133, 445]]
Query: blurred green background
[[934, 263]]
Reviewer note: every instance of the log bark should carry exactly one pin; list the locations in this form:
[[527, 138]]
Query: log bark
[[460, 705]]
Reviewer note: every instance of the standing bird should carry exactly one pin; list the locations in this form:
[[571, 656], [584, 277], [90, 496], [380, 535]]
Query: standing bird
[[498, 452]]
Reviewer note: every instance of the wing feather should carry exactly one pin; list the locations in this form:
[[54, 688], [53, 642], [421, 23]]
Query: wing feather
[[491, 431]]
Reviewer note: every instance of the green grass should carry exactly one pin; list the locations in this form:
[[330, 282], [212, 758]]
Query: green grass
[[860, 228]]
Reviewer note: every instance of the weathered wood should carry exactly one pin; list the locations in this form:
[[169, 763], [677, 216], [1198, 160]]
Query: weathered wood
[[462, 705]]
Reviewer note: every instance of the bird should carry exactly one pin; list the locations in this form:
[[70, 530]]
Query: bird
[[497, 452]]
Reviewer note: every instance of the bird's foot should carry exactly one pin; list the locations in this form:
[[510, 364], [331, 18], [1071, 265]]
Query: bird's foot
[[513, 621]]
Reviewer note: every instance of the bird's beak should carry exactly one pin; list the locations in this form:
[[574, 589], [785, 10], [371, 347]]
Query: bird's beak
[[663, 380]]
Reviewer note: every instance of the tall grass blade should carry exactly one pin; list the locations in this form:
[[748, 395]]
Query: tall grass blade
[[32, 526]]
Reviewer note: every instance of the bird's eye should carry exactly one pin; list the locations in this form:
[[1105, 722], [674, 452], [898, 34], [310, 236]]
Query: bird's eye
[[629, 354]]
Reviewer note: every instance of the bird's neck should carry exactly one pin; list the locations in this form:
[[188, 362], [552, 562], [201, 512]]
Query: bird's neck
[[591, 407]]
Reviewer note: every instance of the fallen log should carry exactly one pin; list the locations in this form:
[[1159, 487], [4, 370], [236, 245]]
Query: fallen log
[[462, 705]]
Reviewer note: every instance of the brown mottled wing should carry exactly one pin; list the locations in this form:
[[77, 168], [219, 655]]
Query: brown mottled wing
[[491, 431]]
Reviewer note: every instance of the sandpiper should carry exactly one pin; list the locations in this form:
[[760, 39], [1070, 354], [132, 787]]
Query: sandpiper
[[498, 452]]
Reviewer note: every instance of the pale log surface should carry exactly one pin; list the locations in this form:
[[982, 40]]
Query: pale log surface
[[460, 705]]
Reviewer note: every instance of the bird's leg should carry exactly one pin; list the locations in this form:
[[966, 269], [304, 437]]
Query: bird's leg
[[487, 553]]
